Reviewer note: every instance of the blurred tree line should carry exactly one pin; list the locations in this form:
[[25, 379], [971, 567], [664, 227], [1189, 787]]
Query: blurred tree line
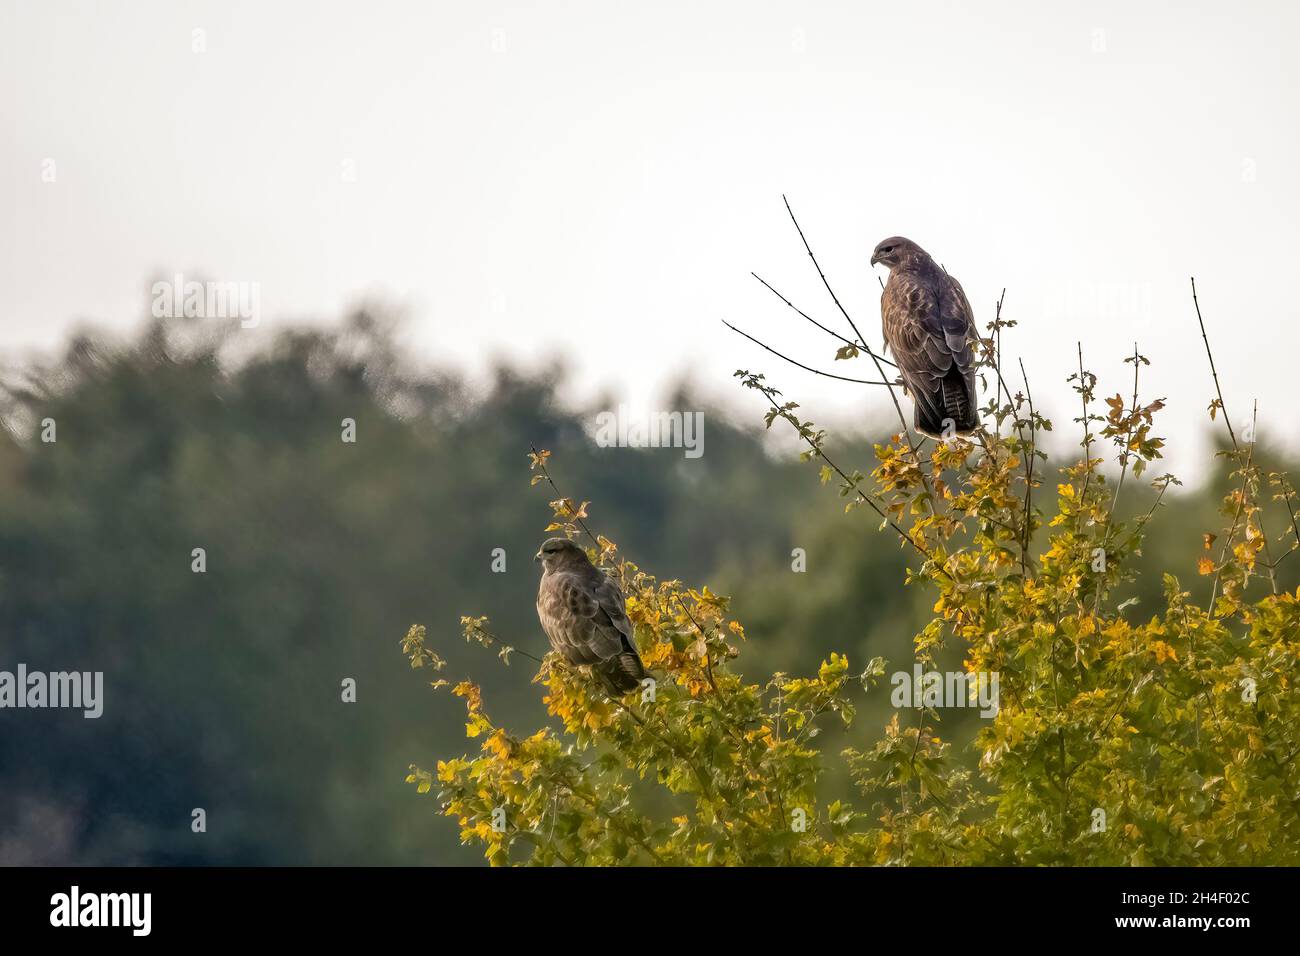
[[222, 690]]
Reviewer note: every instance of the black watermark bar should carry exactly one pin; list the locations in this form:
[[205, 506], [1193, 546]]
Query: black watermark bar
[[330, 905]]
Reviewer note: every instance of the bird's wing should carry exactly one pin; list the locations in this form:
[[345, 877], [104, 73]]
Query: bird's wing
[[906, 311], [927, 323], [624, 671], [583, 615], [957, 322], [610, 598]]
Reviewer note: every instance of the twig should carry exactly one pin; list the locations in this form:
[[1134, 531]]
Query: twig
[[1209, 354], [1016, 421], [708, 662], [1287, 492], [515, 650], [850, 483], [1259, 518], [1142, 522], [834, 297], [1087, 434], [925, 481], [1222, 407], [1128, 439], [1236, 517], [1123, 469], [541, 464], [828, 331], [1029, 468], [1028, 448], [806, 368]]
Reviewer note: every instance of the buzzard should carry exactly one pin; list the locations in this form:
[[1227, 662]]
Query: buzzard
[[584, 614], [929, 327]]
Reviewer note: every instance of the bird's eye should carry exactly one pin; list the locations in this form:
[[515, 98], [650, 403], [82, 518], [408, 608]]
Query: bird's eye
[[887, 249]]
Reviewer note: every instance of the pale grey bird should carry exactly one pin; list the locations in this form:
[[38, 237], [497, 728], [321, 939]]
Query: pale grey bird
[[584, 614], [929, 326]]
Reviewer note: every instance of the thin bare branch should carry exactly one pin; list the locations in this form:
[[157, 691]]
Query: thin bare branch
[[1087, 433], [1213, 371], [828, 331], [817, 266], [1029, 469], [902, 420], [854, 485], [806, 368], [541, 464], [1128, 438]]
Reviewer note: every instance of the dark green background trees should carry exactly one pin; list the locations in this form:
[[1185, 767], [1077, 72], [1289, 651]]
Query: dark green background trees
[[222, 690]]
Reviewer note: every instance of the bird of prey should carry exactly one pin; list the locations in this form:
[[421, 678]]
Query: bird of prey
[[930, 328], [583, 612]]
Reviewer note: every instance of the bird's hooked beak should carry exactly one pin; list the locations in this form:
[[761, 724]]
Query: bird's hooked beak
[[875, 258], [538, 555]]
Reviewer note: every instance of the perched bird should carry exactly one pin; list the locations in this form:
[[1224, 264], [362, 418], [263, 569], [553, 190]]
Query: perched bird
[[930, 328], [583, 612]]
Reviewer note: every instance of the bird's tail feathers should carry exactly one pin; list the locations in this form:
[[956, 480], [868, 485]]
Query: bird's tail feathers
[[620, 674], [951, 409]]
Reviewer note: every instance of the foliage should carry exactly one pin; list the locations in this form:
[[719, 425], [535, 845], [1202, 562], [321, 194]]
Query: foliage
[[1118, 740], [223, 689]]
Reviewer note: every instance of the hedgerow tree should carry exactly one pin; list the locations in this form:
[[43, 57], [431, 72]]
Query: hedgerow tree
[[1117, 740]]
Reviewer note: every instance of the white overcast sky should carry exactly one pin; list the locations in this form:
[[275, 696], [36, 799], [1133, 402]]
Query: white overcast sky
[[596, 180]]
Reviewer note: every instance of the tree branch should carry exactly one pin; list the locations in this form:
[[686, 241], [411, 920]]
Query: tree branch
[[806, 368]]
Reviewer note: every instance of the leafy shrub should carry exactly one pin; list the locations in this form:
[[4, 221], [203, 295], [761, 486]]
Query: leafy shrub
[[1117, 740]]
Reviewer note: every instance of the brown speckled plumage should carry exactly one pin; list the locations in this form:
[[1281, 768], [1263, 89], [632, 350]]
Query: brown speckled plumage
[[930, 330], [584, 615]]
